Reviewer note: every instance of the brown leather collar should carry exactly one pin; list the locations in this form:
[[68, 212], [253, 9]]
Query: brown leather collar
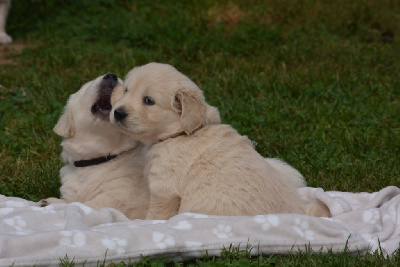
[[99, 160], [95, 161], [177, 135]]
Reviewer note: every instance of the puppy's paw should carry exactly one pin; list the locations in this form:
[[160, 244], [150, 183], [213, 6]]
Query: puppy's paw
[[5, 38], [50, 200], [43, 203], [318, 210]]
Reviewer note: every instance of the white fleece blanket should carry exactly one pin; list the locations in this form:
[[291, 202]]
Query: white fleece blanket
[[42, 236]]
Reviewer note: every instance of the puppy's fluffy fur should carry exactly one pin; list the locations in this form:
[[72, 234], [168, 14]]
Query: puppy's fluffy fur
[[4, 8], [88, 134], [194, 163]]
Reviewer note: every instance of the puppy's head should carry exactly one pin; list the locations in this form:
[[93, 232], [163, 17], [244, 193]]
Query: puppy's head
[[95, 94], [84, 124], [156, 101]]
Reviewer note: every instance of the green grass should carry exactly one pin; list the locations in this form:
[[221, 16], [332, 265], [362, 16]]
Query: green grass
[[314, 83], [234, 256]]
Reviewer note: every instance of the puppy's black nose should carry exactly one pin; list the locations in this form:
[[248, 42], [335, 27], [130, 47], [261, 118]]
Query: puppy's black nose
[[120, 114], [110, 76]]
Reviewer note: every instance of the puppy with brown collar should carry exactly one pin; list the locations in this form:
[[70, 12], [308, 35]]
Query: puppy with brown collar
[[194, 163], [104, 168]]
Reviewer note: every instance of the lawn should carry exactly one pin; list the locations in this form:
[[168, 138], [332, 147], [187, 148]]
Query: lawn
[[315, 83]]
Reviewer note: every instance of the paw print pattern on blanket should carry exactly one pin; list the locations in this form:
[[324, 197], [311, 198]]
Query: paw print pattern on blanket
[[45, 210], [16, 204], [163, 240], [302, 229], [17, 222], [72, 239], [223, 231], [267, 221], [183, 225], [195, 215], [5, 211], [189, 235], [158, 221], [116, 244], [10, 206], [371, 216]]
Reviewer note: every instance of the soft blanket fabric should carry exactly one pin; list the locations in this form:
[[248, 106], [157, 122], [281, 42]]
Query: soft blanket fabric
[[42, 236]]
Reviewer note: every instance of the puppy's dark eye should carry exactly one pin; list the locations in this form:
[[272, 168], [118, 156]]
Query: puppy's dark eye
[[148, 101], [125, 90]]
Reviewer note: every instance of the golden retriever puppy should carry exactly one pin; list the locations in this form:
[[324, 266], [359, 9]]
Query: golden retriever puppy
[[104, 168], [194, 163]]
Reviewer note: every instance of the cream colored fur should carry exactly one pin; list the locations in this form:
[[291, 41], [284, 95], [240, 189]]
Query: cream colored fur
[[4, 8], [194, 163], [118, 183], [287, 172]]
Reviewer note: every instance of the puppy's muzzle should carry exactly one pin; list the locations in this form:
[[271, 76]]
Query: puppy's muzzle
[[120, 114], [103, 106], [112, 78]]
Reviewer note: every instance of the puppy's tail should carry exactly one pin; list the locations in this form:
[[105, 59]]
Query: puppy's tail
[[292, 176], [317, 209]]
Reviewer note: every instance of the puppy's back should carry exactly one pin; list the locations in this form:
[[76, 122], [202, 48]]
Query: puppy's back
[[222, 174]]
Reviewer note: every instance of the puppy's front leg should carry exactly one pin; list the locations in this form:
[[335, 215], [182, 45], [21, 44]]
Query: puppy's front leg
[[163, 207], [50, 200]]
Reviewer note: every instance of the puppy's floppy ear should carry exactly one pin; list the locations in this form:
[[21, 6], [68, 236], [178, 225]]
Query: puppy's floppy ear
[[212, 116], [192, 108], [65, 125]]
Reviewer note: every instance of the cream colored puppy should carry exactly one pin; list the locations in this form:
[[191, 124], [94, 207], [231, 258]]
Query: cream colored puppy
[[194, 163], [104, 168]]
